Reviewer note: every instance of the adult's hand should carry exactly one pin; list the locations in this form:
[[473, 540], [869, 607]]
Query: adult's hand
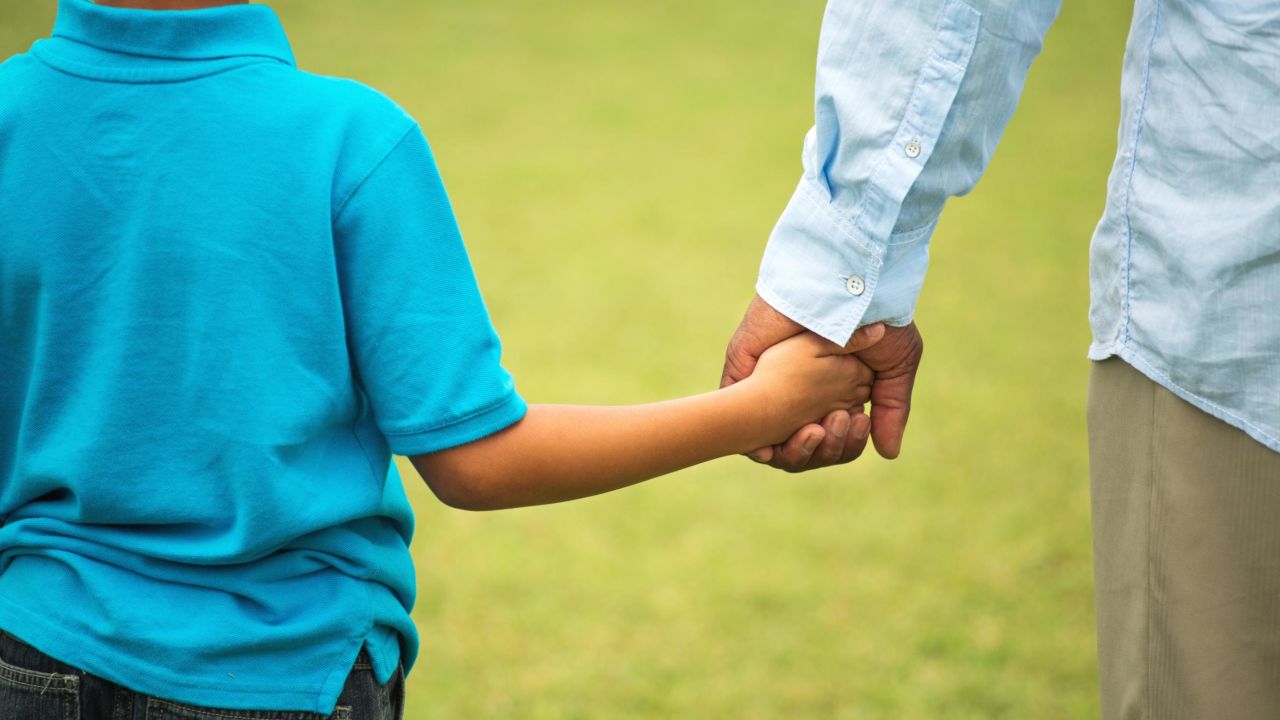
[[842, 436], [895, 360]]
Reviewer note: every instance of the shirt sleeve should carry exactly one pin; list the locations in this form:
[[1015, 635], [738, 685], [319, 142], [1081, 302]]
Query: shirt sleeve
[[911, 100], [421, 342]]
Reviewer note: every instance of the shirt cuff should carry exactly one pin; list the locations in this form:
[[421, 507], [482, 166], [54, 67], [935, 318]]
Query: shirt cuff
[[906, 259], [824, 273], [818, 268]]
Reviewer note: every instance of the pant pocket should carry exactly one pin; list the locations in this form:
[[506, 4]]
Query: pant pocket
[[33, 694]]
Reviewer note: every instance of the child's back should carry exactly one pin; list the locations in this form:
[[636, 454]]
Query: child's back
[[198, 500]]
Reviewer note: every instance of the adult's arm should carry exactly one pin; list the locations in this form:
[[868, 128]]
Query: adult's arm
[[911, 99]]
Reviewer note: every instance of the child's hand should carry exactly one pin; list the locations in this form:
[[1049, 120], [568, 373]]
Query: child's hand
[[801, 379]]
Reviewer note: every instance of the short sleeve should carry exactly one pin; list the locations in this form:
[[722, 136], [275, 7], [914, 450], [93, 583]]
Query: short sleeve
[[421, 341]]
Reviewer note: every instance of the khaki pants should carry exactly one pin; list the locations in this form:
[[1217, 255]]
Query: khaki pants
[[1186, 534]]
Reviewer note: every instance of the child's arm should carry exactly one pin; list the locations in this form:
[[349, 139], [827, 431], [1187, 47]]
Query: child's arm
[[563, 452]]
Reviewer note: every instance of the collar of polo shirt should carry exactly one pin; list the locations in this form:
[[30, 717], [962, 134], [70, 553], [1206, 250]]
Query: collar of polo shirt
[[243, 31]]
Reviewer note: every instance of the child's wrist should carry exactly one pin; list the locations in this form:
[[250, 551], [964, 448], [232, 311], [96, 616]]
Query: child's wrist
[[756, 413]]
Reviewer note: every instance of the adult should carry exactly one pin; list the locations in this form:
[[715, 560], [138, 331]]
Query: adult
[[1184, 400]]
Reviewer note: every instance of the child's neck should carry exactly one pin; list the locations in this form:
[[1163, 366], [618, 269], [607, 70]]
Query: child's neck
[[169, 4]]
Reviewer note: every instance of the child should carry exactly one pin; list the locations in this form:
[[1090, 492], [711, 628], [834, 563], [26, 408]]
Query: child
[[229, 291]]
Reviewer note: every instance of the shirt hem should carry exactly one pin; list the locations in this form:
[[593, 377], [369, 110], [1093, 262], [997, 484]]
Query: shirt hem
[[385, 654], [84, 654], [1102, 351]]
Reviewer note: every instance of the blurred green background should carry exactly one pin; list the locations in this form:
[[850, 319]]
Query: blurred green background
[[617, 167]]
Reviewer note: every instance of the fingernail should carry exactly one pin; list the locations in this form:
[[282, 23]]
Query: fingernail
[[860, 429], [840, 426], [756, 456], [811, 443]]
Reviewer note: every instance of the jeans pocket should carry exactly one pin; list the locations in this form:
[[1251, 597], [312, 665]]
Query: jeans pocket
[[33, 694]]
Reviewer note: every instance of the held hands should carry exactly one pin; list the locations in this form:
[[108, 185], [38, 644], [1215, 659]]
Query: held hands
[[806, 377], [892, 352]]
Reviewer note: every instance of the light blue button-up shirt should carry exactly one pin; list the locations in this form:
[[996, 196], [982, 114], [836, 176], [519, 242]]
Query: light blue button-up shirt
[[912, 98]]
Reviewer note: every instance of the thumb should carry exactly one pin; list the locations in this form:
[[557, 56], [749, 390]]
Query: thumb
[[890, 407], [864, 337]]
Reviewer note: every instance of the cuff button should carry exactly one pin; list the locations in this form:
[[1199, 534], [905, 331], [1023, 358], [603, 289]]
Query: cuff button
[[854, 285]]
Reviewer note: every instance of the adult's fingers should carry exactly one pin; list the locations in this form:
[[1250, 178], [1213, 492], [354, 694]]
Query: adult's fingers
[[859, 434], [831, 449], [864, 337], [895, 361], [848, 432], [841, 438], [795, 453], [890, 407]]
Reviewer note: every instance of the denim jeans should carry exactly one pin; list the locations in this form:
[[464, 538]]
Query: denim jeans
[[34, 686]]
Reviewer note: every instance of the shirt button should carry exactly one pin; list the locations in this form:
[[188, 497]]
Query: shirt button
[[854, 285], [913, 147]]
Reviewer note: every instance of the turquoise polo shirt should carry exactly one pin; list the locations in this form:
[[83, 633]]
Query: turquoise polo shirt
[[229, 291]]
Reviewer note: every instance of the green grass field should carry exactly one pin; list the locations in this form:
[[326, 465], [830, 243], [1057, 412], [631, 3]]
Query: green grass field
[[616, 168]]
